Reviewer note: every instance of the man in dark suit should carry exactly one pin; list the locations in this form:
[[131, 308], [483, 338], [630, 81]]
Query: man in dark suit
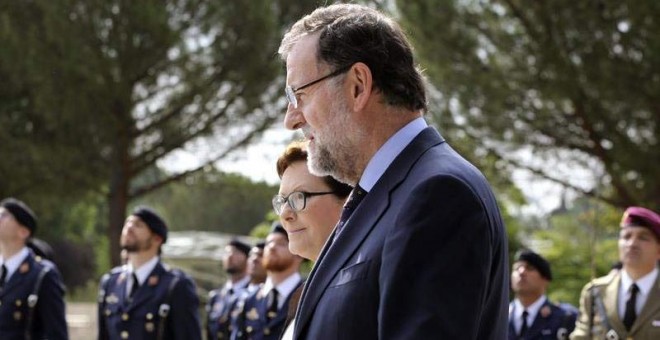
[[31, 289], [145, 299], [424, 255], [531, 314], [222, 301], [263, 314]]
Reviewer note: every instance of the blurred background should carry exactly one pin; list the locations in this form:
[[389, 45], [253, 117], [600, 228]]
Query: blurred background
[[106, 104]]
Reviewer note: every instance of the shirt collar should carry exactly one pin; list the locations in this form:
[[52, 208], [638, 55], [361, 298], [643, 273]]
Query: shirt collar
[[145, 269], [388, 152], [240, 284], [532, 309], [645, 283], [15, 261], [285, 287]]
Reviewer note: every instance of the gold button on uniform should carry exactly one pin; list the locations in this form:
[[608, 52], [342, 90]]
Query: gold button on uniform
[[124, 335], [267, 331], [150, 316], [19, 303]]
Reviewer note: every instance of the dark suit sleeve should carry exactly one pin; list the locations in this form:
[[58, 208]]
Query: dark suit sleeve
[[438, 259], [50, 306], [184, 311]]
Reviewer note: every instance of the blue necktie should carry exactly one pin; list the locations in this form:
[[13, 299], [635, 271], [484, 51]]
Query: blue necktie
[[357, 195]]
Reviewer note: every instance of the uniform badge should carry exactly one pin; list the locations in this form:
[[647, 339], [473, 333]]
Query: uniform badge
[[18, 316], [24, 268], [545, 311], [112, 298], [272, 315], [253, 314], [153, 280], [611, 335], [149, 327]]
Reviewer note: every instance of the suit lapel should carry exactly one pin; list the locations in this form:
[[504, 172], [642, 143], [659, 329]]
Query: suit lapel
[[651, 307], [335, 254], [17, 278], [611, 303], [145, 290]]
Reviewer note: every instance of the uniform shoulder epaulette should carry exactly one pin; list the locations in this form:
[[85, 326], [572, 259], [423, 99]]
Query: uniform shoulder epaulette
[[603, 280]]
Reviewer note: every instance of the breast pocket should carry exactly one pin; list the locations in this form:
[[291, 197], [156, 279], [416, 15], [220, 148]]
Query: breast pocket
[[355, 272]]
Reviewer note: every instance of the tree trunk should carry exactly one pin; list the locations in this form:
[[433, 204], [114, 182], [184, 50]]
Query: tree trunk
[[117, 202]]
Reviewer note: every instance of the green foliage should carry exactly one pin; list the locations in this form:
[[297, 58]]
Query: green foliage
[[571, 81], [213, 201], [580, 244]]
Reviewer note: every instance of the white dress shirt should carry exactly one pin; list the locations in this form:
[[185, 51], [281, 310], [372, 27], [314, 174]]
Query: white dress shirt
[[645, 284]]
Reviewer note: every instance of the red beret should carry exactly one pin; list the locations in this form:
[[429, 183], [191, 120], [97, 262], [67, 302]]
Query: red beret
[[641, 217]]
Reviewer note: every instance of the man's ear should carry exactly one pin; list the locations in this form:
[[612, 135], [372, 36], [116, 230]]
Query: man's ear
[[24, 232], [361, 85]]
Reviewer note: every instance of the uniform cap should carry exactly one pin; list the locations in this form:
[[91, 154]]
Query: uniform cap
[[21, 212], [152, 220], [537, 261], [240, 245], [641, 217], [276, 227]]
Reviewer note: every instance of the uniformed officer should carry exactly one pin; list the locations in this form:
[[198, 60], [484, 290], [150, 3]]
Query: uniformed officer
[[144, 299], [625, 304], [31, 288], [222, 301], [531, 314], [263, 313]]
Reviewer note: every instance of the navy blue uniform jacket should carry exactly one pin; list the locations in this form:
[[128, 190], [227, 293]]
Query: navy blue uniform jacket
[[424, 256], [552, 322], [48, 317], [140, 318]]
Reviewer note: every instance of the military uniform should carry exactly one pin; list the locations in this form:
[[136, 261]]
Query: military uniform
[[219, 308], [599, 316], [551, 322], [40, 315], [165, 306], [252, 319]]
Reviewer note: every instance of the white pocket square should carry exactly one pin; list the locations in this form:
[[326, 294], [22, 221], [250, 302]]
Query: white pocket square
[[655, 323]]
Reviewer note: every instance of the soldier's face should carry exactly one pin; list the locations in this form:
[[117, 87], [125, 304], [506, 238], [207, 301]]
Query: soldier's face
[[136, 235], [10, 229], [234, 261], [639, 248], [277, 256], [525, 279], [255, 266]]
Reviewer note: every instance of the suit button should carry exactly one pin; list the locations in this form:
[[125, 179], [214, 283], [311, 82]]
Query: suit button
[[124, 317], [124, 335]]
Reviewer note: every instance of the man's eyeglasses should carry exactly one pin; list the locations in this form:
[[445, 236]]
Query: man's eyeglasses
[[291, 92], [297, 200]]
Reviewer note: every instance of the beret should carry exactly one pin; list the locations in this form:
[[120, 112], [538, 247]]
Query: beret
[[641, 217], [537, 261], [21, 212], [152, 220]]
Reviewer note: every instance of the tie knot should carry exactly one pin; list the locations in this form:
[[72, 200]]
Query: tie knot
[[634, 288]]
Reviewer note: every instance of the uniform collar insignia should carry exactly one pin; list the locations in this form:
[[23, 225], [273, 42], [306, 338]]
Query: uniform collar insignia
[[545, 311], [153, 280], [24, 268]]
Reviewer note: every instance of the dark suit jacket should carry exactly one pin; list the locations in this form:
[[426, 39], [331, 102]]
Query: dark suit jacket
[[424, 256], [48, 316], [552, 322], [139, 318]]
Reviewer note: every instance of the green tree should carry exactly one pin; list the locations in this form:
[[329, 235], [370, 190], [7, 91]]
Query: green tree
[[100, 91], [214, 201], [570, 81]]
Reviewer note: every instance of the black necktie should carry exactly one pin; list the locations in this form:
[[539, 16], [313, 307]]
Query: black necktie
[[272, 308], [630, 315], [3, 276], [353, 201], [136, 285], [523, 328]]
